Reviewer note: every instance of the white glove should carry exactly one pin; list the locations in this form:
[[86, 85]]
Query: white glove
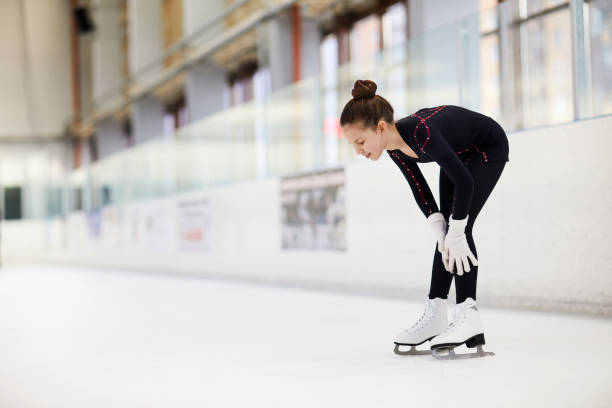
[[438, 225], [456, 248]]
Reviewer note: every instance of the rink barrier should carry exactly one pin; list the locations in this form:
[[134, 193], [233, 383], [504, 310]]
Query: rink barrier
[[541, 237]]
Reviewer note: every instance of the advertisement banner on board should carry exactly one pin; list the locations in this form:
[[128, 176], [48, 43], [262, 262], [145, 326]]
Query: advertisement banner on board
[[150, 225], [314, 211], [193, 223]]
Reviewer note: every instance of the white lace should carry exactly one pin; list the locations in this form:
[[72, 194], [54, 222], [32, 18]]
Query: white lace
[[427, 313]]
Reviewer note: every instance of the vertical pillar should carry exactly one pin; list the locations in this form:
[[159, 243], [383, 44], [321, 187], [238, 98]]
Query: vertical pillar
[[508, 66], [468, 61], [205, 82], [583, 105], [144, 33], [279, 51], [204, 90], [310, 68], [106, 52], [145, 46], [147, 119], [109, 138], [310, 47]]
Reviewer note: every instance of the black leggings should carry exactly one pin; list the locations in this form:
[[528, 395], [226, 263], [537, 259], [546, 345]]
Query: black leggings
[[485, 177]]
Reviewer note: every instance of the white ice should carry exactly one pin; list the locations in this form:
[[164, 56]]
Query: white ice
[[87, 338]]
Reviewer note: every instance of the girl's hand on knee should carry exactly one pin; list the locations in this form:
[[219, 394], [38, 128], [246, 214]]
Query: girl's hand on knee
[[456, 248], [437, 223]]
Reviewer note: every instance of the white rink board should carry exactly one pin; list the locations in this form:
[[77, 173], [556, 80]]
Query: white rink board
[[541, 237]]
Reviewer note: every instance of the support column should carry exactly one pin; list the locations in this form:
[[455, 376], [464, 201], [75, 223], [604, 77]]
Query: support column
[[205, 82], [145, 45], [279, 53], [145, 33], [311, 40], [147, 119], [468, 62], [508, 67], [583, 98], [106, 52], [204, 90], [109, 138]]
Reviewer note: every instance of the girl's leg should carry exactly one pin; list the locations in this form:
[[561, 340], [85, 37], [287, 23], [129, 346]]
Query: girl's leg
[[485, 177], [440, 278]]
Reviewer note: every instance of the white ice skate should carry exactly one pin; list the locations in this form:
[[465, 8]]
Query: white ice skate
[[465, 328], [432, 322]]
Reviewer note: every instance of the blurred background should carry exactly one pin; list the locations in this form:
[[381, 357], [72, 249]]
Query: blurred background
[[203, 137], [198, 143]]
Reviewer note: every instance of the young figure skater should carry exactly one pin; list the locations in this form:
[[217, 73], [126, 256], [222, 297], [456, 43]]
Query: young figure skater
[[471, 150]]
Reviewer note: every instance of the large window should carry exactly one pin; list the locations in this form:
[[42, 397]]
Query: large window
[[365, 43], [329, 82], [490, 69], [546, 68], [526, 75]]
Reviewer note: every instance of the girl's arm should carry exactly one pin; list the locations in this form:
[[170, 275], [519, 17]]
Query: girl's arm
[[434, 145], [420, 189]]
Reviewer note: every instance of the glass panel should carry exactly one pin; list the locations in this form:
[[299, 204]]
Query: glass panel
[[488, 15], [490, 70], [600, 17], [546, 72], [394, 25], [365, 41], [296, 129]]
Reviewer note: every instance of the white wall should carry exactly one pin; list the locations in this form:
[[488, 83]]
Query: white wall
[[197, 12], [542, 237], [35, 78], [145, 33], [106, 51]]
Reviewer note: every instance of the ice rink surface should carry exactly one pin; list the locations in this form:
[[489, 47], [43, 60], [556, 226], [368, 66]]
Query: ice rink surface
[[91, 338]]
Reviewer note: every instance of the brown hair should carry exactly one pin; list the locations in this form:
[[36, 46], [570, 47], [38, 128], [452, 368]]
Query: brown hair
[[366, 107]]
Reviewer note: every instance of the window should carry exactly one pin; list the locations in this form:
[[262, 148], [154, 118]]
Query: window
[[394, 25], [365, 38], [546, 69]]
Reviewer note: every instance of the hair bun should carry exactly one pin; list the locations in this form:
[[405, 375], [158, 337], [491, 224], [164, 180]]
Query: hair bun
[[364, 89]]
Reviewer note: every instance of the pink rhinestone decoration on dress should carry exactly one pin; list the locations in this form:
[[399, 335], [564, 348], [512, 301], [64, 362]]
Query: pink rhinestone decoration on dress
[[415, 181], [483, 153], [477, 150], [422, 121]]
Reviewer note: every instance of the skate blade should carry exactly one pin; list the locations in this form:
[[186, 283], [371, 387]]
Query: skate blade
[[448, 353], [412, 352]]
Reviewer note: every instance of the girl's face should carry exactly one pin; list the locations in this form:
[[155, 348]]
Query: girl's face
[[368, 142]]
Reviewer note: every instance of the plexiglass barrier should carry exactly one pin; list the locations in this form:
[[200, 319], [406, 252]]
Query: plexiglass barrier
[[524, 63]]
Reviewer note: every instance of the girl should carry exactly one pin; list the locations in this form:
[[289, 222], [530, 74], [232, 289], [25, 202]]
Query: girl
[[471, 150]]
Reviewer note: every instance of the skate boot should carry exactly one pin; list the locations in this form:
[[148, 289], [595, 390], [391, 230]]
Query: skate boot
[[432, 322], [465, 328]]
